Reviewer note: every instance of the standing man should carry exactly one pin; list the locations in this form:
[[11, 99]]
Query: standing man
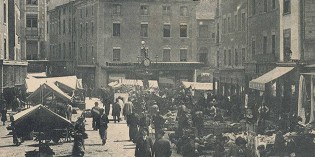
[[69, 112], [128, 109], [132, 123], [103, 126], [116, 110], [4, 113], [96, 116], [158, 122], [144, 145], [162, 146]]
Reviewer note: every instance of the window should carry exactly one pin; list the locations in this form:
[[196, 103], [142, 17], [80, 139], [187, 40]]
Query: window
[[31, 2], [230, 57], [286, 6], [4, 13], [70, 50], [265, 5], [92, 11], [203, 57], [235, 57], [273, 44], [116, 54], [183, 11], [166, 55], [31, 21], [183, 30], [86, 53], [235, 22], [116, 9], [224, 57], [228, 24], [86, 11], [166, 30], [144, 10], [253, 47], [254, 7], [116, 29], [265, 45], [273, 4], [64, 51], [64, 26], [287, 42], [92, 27], [203, 31], [69, 25], [218, 58], [86, 30], [81, 53], [224, 25], [81, 30], [243, 56], [92, 51], [81, 13], [144, 30], [166, 10], [5, 48], [218, 33], [183, 55], [243, 21]]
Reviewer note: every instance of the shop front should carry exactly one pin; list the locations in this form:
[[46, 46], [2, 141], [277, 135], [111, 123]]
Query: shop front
[[276, 89], [13, 80]]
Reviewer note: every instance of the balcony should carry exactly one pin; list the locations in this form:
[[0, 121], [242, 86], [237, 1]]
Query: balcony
[[265, 57], [31, 32]]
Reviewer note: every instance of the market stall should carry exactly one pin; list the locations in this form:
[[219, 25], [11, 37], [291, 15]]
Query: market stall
[[198, 85]]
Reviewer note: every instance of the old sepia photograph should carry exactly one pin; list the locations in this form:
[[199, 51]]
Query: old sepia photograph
[[157, 78]]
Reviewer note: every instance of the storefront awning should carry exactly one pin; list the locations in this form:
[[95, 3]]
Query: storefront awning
[[198, 85], [259, 83]]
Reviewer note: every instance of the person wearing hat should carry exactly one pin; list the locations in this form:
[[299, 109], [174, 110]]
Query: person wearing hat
[[144, 145], [158, 122], [162, 146], [96, 116], [103, 126]]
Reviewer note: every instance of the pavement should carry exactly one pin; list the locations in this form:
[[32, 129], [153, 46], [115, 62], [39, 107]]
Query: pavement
[[118, 144]]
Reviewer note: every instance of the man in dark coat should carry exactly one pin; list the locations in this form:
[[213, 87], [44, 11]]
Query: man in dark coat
[[144, 145], [158, 122], [4, 113], [96, 116], [162, 146], [103, 127], [132, 123], [116, 110]]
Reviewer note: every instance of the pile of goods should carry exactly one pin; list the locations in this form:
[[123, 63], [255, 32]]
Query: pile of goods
[[170, 123]]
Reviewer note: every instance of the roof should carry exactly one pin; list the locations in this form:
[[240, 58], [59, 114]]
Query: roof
[[33, 83], [39, 118], [198, 85], [205, 10], [46, 89]]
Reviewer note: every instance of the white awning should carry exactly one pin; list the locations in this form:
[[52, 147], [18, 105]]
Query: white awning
[[259, 83], [198, 85]]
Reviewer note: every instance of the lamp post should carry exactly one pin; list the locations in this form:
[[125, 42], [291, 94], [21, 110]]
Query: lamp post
[[145, 63]]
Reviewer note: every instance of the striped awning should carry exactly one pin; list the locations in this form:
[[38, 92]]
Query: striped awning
[[259, 83]]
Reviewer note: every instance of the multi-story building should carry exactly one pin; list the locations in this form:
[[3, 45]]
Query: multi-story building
[[206, 39], [12, 61], [231, 46], [33, 28], [61, 38], [107, 39]]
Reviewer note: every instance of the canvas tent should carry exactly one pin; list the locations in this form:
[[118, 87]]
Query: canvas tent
[[68, 82], [198, 85], [39, 119], [46, 90]]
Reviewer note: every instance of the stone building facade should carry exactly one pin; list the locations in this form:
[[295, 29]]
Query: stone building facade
[[108, 34], [231, 47]]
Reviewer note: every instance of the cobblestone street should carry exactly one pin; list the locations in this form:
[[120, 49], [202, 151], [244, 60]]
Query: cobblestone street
[[118, 144]]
